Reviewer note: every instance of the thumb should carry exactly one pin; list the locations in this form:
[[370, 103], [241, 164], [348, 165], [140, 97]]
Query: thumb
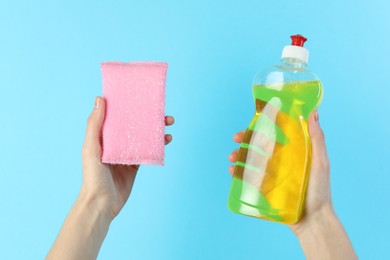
[[319, 154], [92, 144]]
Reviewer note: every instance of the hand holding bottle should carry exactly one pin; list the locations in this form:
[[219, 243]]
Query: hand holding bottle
[[273, 163], [320, 232]]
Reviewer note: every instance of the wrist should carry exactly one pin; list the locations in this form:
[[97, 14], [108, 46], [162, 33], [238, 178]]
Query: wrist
[[95, 205], [314, 223], [322, 236]]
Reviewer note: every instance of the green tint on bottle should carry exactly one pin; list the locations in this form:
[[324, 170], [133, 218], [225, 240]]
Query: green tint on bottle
[[273, 163]]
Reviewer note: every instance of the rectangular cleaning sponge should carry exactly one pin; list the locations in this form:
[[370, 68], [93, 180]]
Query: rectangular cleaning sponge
[[134, 124]]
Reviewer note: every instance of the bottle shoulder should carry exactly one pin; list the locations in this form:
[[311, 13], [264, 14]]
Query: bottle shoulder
[[280, 73]]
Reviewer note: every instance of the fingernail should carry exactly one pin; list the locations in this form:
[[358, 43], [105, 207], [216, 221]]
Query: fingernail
[[316, 116], [97, 102]]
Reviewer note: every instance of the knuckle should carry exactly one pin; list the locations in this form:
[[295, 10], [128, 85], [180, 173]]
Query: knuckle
[[90, 120], [325, 164], [85, 151], [321, 134]]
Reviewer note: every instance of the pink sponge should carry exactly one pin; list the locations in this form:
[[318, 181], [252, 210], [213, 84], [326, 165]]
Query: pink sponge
[[133, 129]]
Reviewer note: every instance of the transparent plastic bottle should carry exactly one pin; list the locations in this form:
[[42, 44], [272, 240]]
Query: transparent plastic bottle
[[274, 160]]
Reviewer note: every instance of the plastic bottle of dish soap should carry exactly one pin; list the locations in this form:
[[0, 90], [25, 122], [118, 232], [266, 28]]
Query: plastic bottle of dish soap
[[274, 160]]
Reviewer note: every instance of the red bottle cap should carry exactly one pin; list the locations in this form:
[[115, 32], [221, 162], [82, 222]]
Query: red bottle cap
[[298, 40]]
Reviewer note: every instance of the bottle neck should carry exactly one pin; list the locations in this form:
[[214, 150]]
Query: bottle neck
[[293, 63]]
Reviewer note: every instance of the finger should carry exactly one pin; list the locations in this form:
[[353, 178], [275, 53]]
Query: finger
[[233, 156], [320, 155], [92, 143], [168, 138], [169, 120], [231, 169], [238, 137]]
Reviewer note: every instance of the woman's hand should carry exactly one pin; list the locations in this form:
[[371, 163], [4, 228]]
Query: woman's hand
[[320, 232], [103, 194], [110, 184]]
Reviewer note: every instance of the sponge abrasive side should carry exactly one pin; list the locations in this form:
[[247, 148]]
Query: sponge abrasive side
[[134, 125]]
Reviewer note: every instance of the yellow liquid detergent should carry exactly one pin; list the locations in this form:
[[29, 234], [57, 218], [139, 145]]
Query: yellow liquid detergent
[[273, 163]]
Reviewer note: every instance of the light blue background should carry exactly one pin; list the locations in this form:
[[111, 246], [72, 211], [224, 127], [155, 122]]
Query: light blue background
[[49, 76]]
